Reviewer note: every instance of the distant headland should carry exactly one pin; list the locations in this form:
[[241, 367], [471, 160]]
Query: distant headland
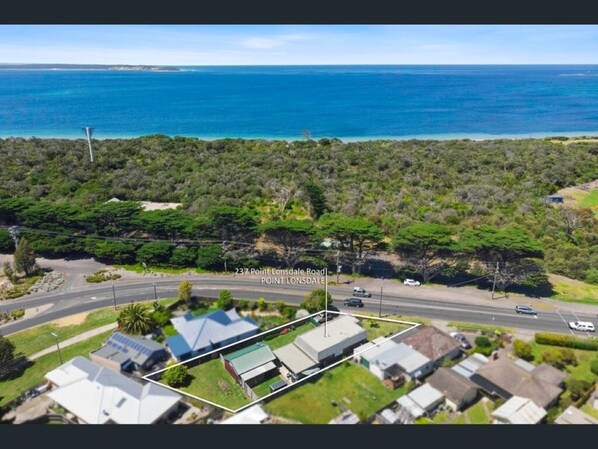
[[144, 68]]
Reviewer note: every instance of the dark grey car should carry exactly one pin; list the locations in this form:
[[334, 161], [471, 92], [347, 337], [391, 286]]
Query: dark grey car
[[353, 302], [527, 310]]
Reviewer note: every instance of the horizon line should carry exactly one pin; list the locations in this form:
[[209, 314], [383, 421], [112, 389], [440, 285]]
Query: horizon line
[[300, 65]]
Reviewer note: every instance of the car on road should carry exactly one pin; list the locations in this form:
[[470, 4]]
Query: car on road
[[465, 344], [411, 283], [584, 326], [359, 292], [527, 310], [353, 302]]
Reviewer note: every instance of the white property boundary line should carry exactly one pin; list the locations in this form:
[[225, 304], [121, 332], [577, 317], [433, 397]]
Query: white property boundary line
[[294, 384]]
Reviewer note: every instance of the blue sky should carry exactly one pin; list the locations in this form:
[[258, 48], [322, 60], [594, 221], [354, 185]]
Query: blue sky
[[299, 44]]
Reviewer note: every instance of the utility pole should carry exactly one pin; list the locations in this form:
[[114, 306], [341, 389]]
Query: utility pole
[[380, 309], [224, 256], [326, 302], [155, 292], [338, 267], [88, 130], [114, 296], [494, 282], [57, 345]]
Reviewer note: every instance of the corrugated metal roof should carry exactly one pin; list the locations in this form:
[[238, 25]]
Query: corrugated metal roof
[[426, 396], [249, 358], [294, 358], [203, 331], [258, 371], [519, 410]]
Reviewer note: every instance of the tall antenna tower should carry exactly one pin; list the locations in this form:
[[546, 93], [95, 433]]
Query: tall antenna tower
[[88, 130]]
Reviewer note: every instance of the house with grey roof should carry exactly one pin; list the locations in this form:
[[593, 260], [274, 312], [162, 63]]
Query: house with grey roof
[[505, 378], [419, 402], [385, 358], [573, 415], [458, 390], [95, 394], [251, 365], [470, 365], [518, 410], [321, 346], [434, 344], [200, 334], [123, 352]]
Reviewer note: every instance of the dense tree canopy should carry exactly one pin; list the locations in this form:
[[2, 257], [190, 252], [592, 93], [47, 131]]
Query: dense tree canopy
[[460, 184], [294, 237], [427, 248]]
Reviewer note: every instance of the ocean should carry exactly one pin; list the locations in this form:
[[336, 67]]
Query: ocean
[[291, 102]]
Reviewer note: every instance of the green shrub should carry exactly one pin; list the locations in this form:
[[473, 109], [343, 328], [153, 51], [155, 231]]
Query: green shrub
[[569, 356], [279, 305], [553, 357], [243, 304], [225, 300], [568, 341], [483, 342], [578, 387], [161, 317], [288, 313], [261, 304], [523, 350], [176, 376], [18, 313], [487, 351], [594, 366]]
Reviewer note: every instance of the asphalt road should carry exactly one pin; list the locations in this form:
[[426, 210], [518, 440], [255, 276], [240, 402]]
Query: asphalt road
[[73, 302]]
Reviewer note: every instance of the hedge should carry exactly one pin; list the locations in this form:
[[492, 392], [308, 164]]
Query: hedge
[[567, 341]]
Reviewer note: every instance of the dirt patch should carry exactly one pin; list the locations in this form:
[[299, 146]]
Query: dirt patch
[[71, 320]]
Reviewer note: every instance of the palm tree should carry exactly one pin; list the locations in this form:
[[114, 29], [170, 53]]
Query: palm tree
[[135, 319]]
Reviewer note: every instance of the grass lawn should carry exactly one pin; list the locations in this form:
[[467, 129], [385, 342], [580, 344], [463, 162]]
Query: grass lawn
[[590, 410], [412, 319], [212, 382], [462, 326], [34, 375], [378, 328], [581, 371], [289, 337], [573, 291], [476, 414], [38, 338], [439, 418], [590, 201], [351, 385], [263, 389], [21, 287]]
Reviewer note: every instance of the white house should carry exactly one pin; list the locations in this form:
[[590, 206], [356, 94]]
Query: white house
[[100, 395], [518, 410]]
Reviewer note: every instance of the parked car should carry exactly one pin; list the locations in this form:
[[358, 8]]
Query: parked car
[[353, 302], [584, 326], [411, 282], [526, 310], [359, 292], [462, 339]]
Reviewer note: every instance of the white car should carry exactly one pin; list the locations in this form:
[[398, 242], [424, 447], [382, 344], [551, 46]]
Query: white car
[[584, 326], [411, 282]]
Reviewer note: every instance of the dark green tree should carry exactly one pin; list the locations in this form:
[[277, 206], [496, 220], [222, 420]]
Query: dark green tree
[[7, 351], [113, 251], [293, 237], [176, 376], [210, 257], [183, 256], [225, 300], [165, 224], [355, 237], [317, 200], [426, 248], [155, 253], [7, 244], [509, 254], [316, 300], [24, 258]]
